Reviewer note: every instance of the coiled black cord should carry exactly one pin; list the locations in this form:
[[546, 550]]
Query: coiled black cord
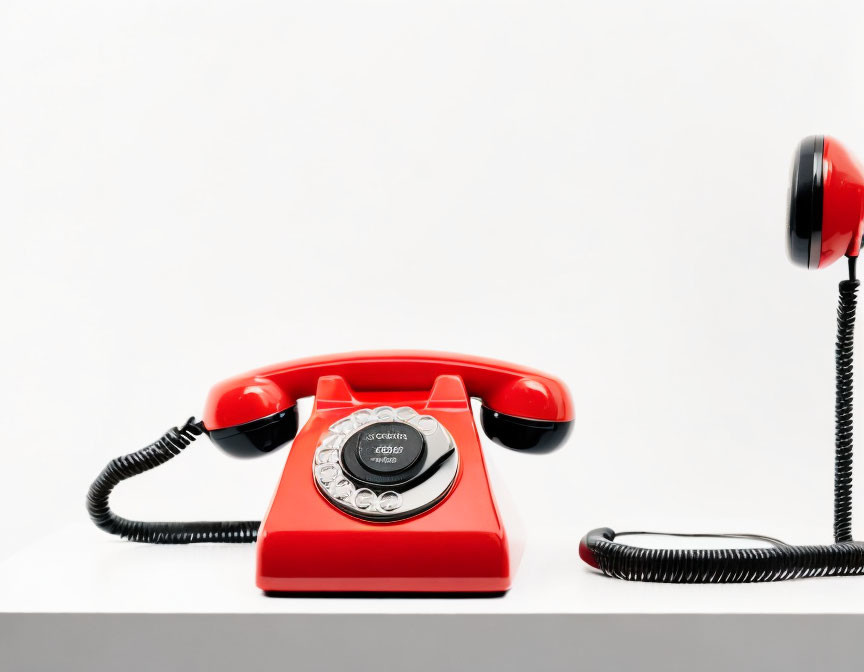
[[743, 565], [725, 565], [843, 408], [119, 469]]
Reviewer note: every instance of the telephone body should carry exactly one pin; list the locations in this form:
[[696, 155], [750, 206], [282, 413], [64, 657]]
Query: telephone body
[[385, 487]]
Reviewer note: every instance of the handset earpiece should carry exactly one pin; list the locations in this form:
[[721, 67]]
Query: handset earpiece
[[510, 431], [231, 404], [826, 203], [520, 432], [257, 437]]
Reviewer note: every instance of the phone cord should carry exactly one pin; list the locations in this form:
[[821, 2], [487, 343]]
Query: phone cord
[[119, 469], [782, 561]]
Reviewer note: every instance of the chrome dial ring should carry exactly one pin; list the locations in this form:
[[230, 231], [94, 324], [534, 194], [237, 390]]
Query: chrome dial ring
[[384, 503]]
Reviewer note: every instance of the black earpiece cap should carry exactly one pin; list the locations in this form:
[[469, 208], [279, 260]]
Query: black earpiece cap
[[804, 242], [538, 436], [257, 437]]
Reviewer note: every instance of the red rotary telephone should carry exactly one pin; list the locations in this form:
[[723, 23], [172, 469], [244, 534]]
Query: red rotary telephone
[[385, 487]]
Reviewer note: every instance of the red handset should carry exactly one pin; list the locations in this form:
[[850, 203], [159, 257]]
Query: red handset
[[826, 203], [385, 487], [255, 412]]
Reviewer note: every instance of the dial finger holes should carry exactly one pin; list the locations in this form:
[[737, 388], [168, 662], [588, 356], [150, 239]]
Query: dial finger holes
[[389, 501], [405, 413], [327, 473], [385, 413], [333, 441], [342, 489], [363, 417], [364, 498], [345, 426], [326, 455], [427, 424]]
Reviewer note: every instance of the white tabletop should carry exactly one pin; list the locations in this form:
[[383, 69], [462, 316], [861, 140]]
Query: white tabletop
[[78, 591], [82, 570]]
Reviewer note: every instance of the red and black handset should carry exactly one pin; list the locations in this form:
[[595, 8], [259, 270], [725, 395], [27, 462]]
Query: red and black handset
[[256, 412], [826, 203]]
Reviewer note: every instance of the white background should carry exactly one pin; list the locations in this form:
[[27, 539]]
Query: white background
[[190, 190]]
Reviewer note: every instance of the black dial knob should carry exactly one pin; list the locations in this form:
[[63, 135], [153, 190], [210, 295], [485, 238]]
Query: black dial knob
[[384, 453]]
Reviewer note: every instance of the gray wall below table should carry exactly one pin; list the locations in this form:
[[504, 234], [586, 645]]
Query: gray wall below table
[[361, 642]]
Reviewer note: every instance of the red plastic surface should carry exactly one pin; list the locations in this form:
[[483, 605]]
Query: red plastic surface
[[842, 203], [460, 545], [586, 554], [503, 387]]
